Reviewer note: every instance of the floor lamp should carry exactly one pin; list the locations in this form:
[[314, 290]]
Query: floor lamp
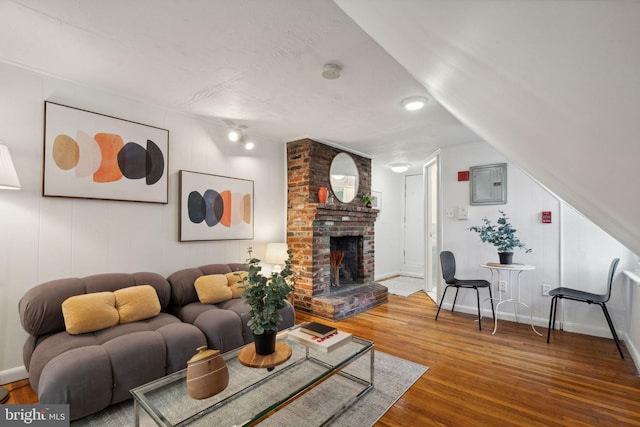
[[8, 181]]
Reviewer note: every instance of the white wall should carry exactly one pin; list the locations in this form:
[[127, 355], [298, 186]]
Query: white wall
[[571, 251], [388, 227], [45, 238]]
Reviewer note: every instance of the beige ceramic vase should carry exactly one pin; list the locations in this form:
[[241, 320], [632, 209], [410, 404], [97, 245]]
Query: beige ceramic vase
[[207, 374]]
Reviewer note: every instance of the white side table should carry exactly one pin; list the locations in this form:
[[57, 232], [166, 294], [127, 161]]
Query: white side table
[[512, 269]]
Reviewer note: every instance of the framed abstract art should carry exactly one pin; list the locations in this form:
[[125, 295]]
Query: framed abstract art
[[93, 156], [214, 207]]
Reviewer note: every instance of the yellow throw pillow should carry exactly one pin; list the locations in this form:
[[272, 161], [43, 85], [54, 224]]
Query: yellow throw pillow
[[137, 303], [90, 312], [237, 287], [212, 289]]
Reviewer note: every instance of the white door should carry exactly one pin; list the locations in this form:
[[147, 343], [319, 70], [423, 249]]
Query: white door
[[414, 225]]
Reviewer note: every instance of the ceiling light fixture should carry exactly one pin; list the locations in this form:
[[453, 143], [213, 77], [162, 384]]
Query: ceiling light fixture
[[414, 103], [331, 71], [234, 135], [399, 167], [248, 145]]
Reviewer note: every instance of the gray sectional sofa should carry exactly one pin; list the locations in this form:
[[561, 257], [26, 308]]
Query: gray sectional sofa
[[92, 370], [224, 323]]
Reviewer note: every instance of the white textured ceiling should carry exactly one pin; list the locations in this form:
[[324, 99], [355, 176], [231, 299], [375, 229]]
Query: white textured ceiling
[[554, 86], [254, 63]]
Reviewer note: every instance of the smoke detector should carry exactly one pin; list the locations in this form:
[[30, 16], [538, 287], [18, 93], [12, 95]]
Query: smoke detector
[[331, 71]]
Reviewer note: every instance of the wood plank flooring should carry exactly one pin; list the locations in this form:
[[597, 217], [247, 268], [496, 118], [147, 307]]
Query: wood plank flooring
[[513, 378]]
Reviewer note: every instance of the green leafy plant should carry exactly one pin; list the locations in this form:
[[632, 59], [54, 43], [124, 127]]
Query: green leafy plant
[[502, 235], [366, 198], [267, 294]]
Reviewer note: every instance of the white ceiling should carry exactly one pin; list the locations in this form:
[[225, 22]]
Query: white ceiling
[[553, 86], [254, 63]]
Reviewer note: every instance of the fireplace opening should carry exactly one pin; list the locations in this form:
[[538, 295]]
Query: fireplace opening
[[346, 260]]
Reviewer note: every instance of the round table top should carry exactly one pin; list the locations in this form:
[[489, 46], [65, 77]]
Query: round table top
[[248, 356], [514, 266]]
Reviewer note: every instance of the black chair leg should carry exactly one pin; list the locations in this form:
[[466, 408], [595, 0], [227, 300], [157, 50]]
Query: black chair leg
[[613, 330], [454, 299], [493, 312], [552, 317], [479, 317], [441, 301]]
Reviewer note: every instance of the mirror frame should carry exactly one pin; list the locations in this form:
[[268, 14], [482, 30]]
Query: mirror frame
[[338, 187]]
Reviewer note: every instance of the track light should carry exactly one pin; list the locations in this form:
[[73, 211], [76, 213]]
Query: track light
[[234, 135], [237, 135]]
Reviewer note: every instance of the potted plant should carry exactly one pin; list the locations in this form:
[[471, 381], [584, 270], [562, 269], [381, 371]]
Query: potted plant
[[367, 199], [266, 295], [502, 236]]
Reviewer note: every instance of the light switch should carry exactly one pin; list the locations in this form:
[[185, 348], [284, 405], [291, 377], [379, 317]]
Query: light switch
[[463, 212]]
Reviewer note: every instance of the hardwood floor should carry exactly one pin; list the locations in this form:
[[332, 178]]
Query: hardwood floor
[[513, 378]]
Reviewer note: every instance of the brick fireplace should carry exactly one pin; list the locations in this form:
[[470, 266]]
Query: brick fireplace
[[315, 229]]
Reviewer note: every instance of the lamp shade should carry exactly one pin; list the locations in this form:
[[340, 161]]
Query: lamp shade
[[8, 176], [276, 253]]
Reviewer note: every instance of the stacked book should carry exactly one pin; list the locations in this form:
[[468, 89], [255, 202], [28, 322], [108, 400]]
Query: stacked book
[[319, 336]]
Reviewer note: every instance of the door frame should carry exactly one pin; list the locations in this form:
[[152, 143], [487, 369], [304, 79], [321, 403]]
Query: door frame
[[433, 159]]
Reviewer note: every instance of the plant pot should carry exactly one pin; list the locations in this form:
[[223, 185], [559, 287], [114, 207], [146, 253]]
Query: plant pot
[[265, 343], [506, 257]]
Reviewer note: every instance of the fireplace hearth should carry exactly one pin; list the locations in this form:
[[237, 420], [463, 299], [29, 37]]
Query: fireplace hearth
[[314, 230]]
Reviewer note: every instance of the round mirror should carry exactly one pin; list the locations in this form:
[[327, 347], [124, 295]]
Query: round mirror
[[344, 177]]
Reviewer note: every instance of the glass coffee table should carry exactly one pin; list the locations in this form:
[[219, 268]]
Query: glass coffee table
[[253, 393]]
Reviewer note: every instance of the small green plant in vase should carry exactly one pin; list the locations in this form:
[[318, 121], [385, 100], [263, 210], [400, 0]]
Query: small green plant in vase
[[367, 199], [501, 235], [266, 295]]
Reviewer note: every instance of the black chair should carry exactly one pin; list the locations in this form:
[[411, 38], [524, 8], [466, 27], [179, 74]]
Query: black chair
[[589, 298], [448, 263]]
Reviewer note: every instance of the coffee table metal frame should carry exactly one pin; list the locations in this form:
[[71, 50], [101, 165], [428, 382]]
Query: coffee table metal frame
[[142, 399]]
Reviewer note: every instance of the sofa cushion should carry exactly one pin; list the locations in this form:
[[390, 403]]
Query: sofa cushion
[[235, 284], [137, 303], [213, 288], [90, 312], [40, 311], [81, 377]]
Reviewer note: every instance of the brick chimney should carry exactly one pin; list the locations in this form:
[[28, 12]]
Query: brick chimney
[[311, 226]]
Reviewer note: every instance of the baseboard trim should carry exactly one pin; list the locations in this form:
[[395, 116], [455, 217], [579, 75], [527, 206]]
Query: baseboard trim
[[12, 375]]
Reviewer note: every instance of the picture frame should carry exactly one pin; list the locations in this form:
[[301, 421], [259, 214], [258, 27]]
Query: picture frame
[[376, 202], [89, 155], [214, 207], [488, 184]]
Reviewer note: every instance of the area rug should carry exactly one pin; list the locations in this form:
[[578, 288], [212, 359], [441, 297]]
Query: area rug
[[392, 378], [403, 285]]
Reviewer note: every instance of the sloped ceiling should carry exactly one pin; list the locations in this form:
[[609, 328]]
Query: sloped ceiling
[[554, 86]]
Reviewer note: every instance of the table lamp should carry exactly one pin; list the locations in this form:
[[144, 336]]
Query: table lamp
[[276, 254], [8, 181]]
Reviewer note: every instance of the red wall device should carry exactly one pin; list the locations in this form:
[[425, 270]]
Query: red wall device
[[546, 217]]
